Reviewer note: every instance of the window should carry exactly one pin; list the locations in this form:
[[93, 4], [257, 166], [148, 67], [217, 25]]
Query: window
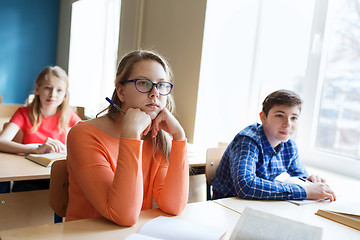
[[333, 113], [252, 48], [338, 125], [93, 53]]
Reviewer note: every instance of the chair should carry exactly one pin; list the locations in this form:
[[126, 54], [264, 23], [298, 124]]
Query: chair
[[8, 110], [213, 157], [80, 111], [59, 195], [223, 144]]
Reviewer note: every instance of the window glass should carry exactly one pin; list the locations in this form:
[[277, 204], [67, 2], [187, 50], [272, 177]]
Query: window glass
[[250, 49], [93, 53], [338, 125]]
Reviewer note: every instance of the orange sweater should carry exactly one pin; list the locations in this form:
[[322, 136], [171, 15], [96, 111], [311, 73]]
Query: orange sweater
[[118, 178]]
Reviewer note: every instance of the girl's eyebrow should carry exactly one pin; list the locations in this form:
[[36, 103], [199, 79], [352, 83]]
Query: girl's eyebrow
[[143, 77]]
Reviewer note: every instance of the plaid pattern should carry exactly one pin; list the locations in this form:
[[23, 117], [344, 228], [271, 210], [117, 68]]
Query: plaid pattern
[[250, 165]]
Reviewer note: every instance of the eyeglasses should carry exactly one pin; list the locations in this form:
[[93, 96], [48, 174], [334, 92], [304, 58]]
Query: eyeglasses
[[144, 85]]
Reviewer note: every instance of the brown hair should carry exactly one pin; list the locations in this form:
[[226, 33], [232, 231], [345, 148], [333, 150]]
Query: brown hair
[[35, 114], [162, 141], [281, 97]]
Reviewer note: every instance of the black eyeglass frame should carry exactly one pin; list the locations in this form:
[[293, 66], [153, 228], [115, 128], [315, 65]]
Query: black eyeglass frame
[[153, 84]]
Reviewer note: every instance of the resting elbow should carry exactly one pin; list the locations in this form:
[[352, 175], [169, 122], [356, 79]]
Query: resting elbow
[[174, 210], [244, 191], [124, 218], [126, 221], [244, 195]]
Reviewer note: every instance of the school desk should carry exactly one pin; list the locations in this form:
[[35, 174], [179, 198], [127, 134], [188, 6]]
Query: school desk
[[346, 188], [207, 213], [15, 167], [23, 209], [303, 213]]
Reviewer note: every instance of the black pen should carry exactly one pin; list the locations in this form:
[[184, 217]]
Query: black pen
[[116, 106]]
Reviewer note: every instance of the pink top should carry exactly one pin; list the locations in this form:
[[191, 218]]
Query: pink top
[[117, 178], [48, 127]]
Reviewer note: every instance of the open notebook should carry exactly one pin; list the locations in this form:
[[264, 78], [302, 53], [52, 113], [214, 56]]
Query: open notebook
[[46, 159], [176, 229]]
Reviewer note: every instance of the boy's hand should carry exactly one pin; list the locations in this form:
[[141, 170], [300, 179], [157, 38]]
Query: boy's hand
[[316, 179], [319, 191]]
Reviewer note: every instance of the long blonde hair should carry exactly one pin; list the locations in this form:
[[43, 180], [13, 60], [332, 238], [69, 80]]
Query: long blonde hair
[[162, 141], [35, 114]]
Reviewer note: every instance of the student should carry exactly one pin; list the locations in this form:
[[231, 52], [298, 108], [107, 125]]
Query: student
[[44, 123], [119, 162], [261, 152]]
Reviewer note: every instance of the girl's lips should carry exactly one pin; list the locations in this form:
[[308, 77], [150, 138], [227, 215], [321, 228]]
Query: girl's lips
[[152, 105]]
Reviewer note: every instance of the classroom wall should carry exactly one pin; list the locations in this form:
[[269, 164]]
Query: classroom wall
[[173, 28], [28, 41]]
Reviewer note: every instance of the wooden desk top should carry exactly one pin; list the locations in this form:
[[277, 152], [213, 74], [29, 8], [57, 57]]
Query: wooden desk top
[[304, 213], [346, 189], [15, 168], [196, 155], [207, 213]]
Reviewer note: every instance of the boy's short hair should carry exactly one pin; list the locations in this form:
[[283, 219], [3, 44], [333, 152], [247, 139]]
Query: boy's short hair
[[281, 97]]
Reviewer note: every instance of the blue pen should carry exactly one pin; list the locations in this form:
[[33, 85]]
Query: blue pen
[[116, 106], [304, 179]]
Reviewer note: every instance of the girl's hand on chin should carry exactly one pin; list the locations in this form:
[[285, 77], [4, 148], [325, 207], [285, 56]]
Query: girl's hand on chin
[[136, 123], [167, 122]]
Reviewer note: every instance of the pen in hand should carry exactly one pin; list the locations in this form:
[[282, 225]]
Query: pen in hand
[[304, 180], [116, 106]]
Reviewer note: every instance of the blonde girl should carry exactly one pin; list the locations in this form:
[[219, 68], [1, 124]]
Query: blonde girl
[[45, 122], [119, 162]]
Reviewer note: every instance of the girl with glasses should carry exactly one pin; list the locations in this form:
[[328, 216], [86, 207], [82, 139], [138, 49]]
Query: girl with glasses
[[119, 162]]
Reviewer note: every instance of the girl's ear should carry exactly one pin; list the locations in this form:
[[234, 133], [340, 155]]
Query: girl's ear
[[120, 92], [262, 116], [36, 92]]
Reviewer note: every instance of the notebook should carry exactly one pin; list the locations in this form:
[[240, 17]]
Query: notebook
[[46, 159]]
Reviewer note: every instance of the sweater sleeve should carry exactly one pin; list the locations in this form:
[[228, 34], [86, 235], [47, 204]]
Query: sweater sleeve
[[171, 185], [115, 192]]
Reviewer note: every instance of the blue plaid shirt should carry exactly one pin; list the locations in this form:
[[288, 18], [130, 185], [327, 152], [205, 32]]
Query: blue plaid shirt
[[250, 165]]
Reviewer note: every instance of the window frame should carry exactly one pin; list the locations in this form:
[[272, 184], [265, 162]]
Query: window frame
[[311, 106]]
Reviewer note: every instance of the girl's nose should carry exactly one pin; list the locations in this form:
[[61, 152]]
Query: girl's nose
[[154, 92], [53, 92]]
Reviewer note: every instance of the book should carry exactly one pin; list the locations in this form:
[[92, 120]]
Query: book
[[46, 159], [307, 201], [255, 224], [172, 228], [344, 213]]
